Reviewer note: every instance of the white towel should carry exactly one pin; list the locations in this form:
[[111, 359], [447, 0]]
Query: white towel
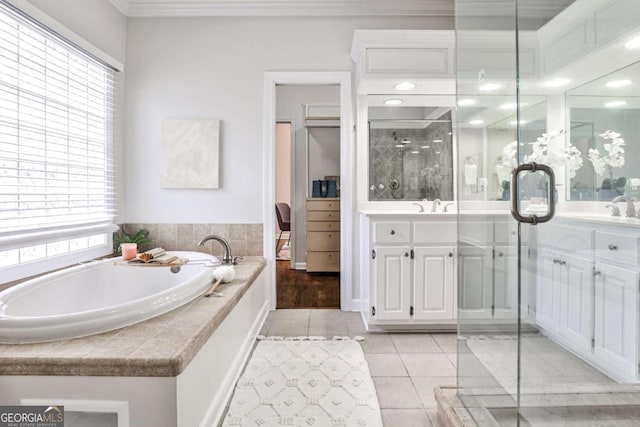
[[470, 174], [635, 183]]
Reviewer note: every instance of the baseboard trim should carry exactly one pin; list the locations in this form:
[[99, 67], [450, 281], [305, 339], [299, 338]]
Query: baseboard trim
[[301, 265]]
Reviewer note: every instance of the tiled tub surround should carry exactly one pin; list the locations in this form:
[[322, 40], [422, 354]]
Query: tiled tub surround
[[174, 370], [428, 174], [159, 347], [245, 239]]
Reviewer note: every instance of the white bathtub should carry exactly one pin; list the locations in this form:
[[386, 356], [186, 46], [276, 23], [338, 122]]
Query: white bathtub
[[98, 297]]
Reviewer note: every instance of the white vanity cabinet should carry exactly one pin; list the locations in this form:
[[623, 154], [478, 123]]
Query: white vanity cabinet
[[410, 278], [587, 293], [392, 283]]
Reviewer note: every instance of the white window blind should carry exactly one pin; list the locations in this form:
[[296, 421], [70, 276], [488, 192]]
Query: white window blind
[[56, 143]]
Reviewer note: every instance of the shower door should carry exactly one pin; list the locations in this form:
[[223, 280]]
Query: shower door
[[548, 279]]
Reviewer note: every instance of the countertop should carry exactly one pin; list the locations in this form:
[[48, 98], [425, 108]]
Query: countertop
[[159, 347]]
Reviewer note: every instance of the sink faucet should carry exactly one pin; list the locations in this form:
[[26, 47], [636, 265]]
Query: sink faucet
[[444, 208], [434, 205], [419, 206], [227, 258], [631, 209], [615, 211]]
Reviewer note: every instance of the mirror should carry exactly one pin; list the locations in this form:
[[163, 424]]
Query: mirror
[[410, 150], [610, 103], [487, 124]]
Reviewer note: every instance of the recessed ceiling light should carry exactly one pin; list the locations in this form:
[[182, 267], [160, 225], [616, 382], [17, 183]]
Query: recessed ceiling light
[[399, 146], [466, 102], [634, 43], [425, 146], [619, 83], [449, 133], [393, 101], [514, 122], [614, 104], [559, 82], [488, 87], [437, 140], [405, 141], [437, 152], [476, 122], [405, 86], [415, 152]]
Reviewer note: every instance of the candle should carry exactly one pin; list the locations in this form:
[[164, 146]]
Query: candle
[[129, 251]]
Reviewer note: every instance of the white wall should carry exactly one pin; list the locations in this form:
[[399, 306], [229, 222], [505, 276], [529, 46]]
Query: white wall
[[97, 21], [214, 67], [289, 106]]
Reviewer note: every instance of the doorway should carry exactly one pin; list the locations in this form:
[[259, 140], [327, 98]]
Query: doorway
[[307, 209]]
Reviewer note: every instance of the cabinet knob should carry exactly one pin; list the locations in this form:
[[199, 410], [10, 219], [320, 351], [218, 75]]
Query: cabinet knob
[[329, 225], [406, 254], [613, 248], [450, 254], [393, 232], [329, 215], [500, 254]]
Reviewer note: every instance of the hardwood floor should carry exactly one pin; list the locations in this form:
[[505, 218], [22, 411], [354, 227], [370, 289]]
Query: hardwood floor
[[299, 289]]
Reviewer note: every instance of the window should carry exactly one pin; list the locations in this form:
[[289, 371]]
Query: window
[[57, 198]]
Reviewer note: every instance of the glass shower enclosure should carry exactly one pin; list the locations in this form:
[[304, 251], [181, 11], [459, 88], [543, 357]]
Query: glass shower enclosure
[[549, 234]]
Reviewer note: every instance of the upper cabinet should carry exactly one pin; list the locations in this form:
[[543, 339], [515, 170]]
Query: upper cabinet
[[386, 57]]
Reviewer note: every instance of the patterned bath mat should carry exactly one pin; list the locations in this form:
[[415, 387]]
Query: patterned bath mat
[[305, 383]]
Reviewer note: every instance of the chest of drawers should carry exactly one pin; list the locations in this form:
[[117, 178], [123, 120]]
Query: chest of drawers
[[323, 235]]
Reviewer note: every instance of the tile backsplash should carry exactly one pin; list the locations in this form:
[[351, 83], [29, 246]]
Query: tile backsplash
[[245, 239]]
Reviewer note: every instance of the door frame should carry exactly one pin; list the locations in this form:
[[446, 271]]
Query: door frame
[[347, 173]]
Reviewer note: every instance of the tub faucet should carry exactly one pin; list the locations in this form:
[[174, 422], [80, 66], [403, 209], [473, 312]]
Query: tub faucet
[[419, 206], [434, 205], [631, 209], [227, 258]]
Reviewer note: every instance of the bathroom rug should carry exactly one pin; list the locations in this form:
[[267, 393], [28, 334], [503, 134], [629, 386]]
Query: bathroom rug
[[305, 382]]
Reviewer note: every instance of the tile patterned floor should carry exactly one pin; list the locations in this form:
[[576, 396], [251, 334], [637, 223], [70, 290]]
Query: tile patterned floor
[[405, 367]]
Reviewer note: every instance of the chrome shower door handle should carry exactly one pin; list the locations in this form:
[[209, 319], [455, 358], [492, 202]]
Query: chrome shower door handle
[[515, 193]]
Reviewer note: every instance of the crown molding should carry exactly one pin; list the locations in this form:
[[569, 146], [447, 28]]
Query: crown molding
[[142, 8], [529, 9], [121, 5]]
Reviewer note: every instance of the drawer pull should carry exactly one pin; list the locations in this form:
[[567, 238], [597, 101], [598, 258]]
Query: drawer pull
[[613, 248], [393, 232], [500, 254]]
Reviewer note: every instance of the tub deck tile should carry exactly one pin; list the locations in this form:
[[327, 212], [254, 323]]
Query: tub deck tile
[[159, 347]]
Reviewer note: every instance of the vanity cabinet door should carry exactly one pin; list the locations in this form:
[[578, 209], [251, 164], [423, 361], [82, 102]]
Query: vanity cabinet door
[[616, 319], [433, 283], [505, 273], [576, 302], [550, 278], [392, 283], [475, 281]]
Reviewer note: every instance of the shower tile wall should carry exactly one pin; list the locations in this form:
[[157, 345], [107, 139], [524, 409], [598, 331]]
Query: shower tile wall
[[428, 174]]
